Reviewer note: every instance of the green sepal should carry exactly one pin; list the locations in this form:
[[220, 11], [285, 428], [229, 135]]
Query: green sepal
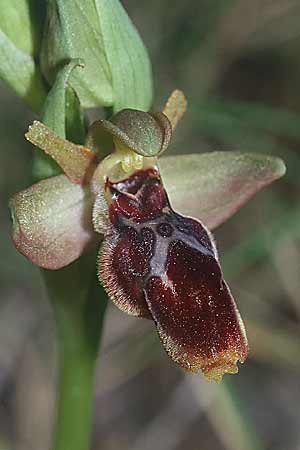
[[144, 133]]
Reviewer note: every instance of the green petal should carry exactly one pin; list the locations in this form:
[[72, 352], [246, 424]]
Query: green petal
[[175, 107], [52, 223], [213, 186], [77, 162]]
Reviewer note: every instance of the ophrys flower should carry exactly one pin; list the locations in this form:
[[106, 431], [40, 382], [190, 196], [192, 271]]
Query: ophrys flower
[[153, 262]]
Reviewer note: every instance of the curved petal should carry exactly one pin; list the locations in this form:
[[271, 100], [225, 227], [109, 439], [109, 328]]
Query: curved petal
[[76, 161], [52, 223], [213, 186], [175, 107]]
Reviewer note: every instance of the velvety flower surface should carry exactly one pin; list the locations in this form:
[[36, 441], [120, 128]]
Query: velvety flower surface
[[52, 222], [158, 264], [153, 262]]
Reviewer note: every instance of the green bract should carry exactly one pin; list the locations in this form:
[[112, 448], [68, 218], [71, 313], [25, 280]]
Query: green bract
[[21, 21], [117, 70], [19, 34], [54, 111]]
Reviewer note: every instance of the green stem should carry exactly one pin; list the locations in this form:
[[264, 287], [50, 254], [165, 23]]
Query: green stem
[[79, 305], [75, 390]]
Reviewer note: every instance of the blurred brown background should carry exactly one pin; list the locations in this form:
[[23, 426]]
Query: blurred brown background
[[238, 62]]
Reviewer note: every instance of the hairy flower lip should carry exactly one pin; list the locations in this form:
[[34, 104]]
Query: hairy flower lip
[[215, 367], [156, 263]]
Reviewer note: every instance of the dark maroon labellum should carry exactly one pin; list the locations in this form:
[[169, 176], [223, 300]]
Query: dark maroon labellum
[[158, 264]]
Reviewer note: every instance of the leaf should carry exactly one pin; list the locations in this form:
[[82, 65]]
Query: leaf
[[52, 223], [127, 57], [19, 71], [213, 186]]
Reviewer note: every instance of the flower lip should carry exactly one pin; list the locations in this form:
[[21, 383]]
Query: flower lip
[[158, 264]]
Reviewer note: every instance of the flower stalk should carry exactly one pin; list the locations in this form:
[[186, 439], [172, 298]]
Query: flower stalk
[[79, 305]]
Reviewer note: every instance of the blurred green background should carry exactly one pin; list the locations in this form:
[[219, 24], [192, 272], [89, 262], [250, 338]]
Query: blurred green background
[[238, 62]]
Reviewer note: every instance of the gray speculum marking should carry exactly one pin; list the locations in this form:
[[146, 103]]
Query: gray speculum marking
[[165, 234]]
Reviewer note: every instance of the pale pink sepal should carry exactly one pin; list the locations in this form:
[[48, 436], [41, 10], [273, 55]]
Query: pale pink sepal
[[213, 186], [52, 223]]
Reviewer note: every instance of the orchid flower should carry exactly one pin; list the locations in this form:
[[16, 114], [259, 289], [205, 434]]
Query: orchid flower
[[153, 262]]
